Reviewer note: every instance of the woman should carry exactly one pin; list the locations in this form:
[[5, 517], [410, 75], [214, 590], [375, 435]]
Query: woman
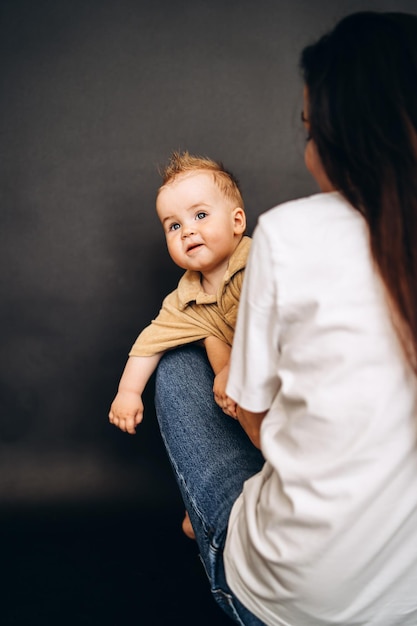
[[319, 529]]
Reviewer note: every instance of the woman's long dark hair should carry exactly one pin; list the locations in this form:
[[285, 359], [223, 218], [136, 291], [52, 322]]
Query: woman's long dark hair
[[361, 80]]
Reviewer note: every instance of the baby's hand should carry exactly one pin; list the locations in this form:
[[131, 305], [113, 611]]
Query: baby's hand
[[221, 398], [126, 411]]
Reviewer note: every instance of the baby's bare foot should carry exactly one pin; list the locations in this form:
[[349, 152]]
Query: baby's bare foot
[[187, 527]]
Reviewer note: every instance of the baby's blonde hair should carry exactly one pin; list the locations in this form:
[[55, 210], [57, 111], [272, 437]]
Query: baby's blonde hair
[[183, 162]]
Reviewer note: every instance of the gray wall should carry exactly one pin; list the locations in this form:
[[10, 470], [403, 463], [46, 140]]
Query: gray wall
[[94, 96]]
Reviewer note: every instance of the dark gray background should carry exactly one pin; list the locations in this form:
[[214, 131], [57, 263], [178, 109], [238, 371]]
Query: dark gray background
[[94, 96]]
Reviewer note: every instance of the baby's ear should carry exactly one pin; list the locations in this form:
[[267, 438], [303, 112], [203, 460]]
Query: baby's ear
[[239, 218]]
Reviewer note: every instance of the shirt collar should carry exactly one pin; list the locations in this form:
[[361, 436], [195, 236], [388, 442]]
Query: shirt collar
[[189, 287]]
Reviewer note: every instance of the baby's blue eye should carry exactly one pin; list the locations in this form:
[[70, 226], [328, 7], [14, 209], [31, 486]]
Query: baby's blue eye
[[175, 226], [201, 215]]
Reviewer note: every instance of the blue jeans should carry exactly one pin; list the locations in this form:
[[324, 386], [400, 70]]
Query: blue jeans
[[211, 457]]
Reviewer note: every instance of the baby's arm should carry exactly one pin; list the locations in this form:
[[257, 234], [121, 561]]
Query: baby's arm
[[218, 353], [126, 410]]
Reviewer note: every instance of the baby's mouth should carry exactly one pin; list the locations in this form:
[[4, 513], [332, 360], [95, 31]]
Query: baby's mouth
[[194, 246]]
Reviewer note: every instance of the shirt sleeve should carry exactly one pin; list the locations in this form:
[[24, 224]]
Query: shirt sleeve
[[253, 378], [175, 326]]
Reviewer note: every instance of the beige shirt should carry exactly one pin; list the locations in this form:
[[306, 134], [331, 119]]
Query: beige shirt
[[189, 314]]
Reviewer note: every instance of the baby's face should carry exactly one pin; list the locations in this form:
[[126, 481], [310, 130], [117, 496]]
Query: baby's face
[[202, 226]]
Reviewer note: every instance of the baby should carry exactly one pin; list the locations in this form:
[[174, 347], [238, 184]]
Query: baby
[[201, 211]]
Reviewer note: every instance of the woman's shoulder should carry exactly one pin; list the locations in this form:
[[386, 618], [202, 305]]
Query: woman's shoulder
[[314, 230], [308, 207], [311, 217]]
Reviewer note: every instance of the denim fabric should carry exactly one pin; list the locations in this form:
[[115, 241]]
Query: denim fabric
[[211, 457]]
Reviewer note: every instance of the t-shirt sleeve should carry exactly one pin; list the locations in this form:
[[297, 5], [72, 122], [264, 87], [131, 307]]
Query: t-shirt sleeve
[[170, 329], [253, 378], [175, 327]]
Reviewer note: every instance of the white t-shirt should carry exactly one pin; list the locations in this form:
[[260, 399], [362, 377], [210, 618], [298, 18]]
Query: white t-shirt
[[327, 532]]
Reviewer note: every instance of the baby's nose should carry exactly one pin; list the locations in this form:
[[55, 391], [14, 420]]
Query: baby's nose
[[188, 230]]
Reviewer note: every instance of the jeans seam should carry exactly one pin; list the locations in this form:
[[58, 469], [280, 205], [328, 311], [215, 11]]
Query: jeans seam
[[181, 479]]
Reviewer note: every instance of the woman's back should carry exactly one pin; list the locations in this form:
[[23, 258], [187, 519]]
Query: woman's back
[[336, 502]]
